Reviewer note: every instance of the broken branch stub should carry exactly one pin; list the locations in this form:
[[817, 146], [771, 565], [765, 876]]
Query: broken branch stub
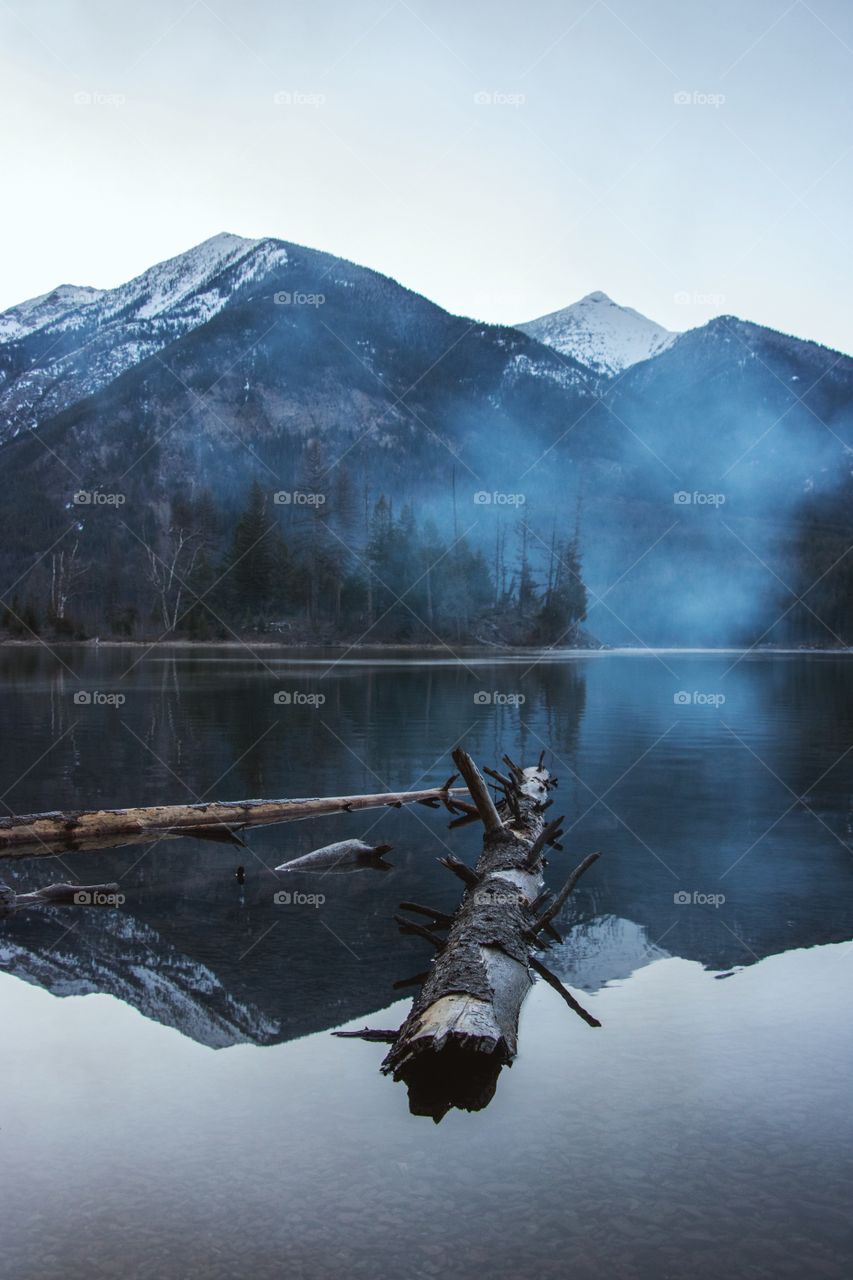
[[476, 784]]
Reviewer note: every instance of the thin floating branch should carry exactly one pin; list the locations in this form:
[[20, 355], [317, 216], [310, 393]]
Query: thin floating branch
[[438, 917], [411, 926], [466, 874], [368, 1033], [507, 783], [554, 981]]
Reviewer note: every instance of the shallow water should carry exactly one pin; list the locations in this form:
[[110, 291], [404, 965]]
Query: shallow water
[[182, 1109]]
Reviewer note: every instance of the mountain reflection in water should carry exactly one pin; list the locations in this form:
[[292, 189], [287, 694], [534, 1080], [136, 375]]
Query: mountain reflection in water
[[694, 800]]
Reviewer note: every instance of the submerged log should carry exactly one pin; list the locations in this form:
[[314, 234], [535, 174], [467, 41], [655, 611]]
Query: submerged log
[[44, 834], [463, 1026], [344, 855], [61, 895]]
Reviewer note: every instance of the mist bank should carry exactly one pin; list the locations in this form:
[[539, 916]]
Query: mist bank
[[422, 476]]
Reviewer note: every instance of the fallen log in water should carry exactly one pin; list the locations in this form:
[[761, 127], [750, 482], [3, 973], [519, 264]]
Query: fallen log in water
[[463, 1026], [44, 834]]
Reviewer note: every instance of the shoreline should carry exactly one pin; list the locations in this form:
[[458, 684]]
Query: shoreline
[[478, 650]]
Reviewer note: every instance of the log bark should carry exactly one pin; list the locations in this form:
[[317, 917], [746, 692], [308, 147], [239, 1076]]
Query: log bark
[[44, 834], [463, 1026]]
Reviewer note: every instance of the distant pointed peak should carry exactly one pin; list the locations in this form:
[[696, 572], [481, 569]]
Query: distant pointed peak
[[223, 238], [600, 333]]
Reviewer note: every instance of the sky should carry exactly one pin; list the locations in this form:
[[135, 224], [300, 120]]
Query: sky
[[504, 159]]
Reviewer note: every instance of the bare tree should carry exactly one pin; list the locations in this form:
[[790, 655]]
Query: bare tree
[[169, 570], [66, 572]]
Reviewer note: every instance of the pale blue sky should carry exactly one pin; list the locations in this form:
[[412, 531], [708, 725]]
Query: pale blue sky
[[736, 200]]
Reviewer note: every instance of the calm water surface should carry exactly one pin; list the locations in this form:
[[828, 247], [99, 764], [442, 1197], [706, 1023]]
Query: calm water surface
[[173, 1103]]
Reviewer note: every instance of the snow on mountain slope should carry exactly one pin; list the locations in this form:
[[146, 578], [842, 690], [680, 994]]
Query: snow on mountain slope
[[125, 958], [179, 284], [600, 334], [47, 309], [59, 348], [606, 949]]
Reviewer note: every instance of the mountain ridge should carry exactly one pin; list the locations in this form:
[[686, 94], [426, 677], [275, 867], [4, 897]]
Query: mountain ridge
[[301, 371], [62, 346], [76, 351]]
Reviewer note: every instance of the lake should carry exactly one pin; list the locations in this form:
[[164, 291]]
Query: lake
[[173, 1102]]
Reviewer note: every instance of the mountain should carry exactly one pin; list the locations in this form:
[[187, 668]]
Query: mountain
[[600, 334], [252, 349], [120, 955], [126, 958], [299, 372], [47, 309], [57, 349], [711, 477], [736, 490]]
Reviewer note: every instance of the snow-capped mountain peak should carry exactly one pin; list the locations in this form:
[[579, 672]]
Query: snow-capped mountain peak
[[601, 334], [68, 344], [149, 294], [166, 285]]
